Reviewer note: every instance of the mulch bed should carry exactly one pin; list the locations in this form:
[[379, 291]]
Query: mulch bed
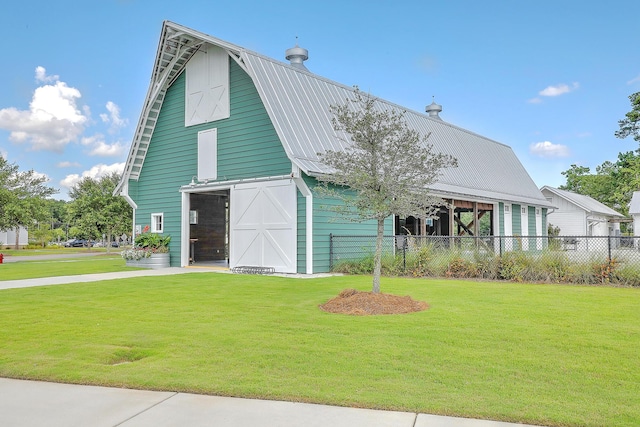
[[356, 303]]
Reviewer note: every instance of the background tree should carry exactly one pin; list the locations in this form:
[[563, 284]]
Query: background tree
[[23, 198], [96, 211], [630, 125], [387, 167]]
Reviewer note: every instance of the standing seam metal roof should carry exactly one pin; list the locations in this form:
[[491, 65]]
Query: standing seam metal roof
[[298, 102]]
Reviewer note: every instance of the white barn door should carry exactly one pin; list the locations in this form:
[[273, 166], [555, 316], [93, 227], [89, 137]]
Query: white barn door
[[262, 225]]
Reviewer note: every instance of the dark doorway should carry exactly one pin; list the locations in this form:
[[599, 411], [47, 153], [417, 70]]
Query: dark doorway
[[209, 226]]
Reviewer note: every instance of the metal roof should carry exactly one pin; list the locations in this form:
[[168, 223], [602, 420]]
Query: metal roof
[[298, 102], [634, 206], [589, 204]]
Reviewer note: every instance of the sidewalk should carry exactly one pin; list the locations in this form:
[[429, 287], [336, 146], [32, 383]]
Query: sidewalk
[[35, 403]]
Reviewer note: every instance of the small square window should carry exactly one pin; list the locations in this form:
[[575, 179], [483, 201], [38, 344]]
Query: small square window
[[157, 222]]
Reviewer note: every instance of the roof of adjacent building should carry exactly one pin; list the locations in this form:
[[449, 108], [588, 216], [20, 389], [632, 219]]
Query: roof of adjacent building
[[298, 102], [634, 205], [587, 203]]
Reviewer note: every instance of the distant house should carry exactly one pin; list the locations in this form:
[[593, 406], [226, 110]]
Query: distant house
[[225, 159], [8, 238], [634, 211], [580, 215]]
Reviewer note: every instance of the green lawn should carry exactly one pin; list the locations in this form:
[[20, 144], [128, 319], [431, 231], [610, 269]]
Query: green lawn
[[103, 263], [538, 354]]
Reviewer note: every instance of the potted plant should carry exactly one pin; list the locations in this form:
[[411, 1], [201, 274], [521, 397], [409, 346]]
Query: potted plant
[[150, 250]]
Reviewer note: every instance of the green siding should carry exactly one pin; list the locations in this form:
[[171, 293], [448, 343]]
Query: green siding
[[248, 147], [516, 220], [501, 219], [327, 222], [302, 233], [532, 221]]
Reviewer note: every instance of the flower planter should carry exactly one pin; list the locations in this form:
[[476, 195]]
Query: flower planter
[[154, 261]]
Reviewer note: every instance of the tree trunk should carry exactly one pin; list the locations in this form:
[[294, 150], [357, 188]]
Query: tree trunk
[[17, 238], [377, 259]]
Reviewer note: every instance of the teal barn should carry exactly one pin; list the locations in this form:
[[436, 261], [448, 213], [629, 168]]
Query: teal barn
[[225, 155]]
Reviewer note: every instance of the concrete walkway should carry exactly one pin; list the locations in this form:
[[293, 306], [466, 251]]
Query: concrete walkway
[[35, 403]]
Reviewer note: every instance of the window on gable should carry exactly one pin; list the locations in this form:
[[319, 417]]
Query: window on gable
[[208, 155], [157, 222]]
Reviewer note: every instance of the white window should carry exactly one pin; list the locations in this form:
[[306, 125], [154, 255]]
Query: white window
[[157, 222], [208, 155]]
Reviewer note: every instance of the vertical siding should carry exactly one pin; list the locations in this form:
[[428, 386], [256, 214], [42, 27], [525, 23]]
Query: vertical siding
[[516, 220], [501, 219], [532, 221], [302, 233], [248, 147]]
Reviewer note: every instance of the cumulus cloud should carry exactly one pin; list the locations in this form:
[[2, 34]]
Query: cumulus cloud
[[98, 147], [549, 150], [113, 117], [41, 75], [53, 119], [96, 172], [551, 91]]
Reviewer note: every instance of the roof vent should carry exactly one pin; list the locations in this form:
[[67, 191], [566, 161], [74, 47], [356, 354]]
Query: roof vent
[[297, 55], [434, 109]]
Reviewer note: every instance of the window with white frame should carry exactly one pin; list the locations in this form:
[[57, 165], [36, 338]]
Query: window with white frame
[[157, 222]]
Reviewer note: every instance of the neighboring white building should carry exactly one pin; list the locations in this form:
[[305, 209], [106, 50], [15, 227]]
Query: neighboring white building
[[634, 211], [8, 238], [580, 215]]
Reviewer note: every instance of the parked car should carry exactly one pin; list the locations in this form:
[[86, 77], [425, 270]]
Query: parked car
[[77, 243]]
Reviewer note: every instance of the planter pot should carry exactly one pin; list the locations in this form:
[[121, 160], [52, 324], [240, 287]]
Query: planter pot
[[154, 261]]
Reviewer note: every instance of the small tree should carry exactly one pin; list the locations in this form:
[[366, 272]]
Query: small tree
[[387, 165]]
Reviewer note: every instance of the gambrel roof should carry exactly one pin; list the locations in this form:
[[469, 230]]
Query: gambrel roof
[[298, 101], [586, 203]]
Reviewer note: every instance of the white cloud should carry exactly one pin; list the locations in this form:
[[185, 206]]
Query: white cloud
[[53, 119], [634, 80], [559, 89], [113, 117], [68, 164], [41, 75], [98, 171], [535, 100], [98, 146], [549, 150]]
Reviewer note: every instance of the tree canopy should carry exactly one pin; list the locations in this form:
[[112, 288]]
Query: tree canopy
[[96, 211], [23, 197], [630, 125], [387, 167]]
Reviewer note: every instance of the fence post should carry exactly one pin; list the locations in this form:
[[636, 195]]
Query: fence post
[[404, 257], [330, 252]]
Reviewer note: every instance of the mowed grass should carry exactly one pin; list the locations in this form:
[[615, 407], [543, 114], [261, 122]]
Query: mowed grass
[[538, 354], [103, 263]]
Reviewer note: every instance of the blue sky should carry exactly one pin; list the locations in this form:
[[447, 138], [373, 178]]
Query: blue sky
[[551, 79]]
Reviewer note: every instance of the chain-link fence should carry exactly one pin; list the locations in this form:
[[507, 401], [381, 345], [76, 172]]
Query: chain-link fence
[[574, 259]]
